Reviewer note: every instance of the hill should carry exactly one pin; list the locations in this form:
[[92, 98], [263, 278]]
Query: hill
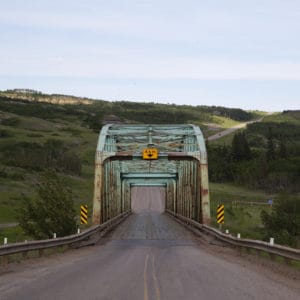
[[39, 131], [273, 162]]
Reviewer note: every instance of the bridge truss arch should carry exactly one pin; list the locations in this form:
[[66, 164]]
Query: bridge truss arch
[[181, 167]]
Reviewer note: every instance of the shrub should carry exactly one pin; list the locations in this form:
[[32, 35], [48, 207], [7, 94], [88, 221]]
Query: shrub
[[51, 211], [283, 223]]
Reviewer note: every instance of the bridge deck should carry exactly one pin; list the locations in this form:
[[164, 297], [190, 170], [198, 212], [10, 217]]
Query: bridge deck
[[150, 226]]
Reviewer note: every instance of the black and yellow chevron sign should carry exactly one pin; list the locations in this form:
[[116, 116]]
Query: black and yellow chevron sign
[[83, 214], [220, 214]]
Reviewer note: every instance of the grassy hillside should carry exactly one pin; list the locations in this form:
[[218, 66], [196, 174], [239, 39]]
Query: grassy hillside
[[274, 160], [38, 131]]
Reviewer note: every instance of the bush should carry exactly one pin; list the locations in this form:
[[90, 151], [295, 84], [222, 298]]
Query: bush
[[52, 211], [283, 223]]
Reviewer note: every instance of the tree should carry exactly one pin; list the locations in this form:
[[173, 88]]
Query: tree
[[51, 211], [283, 223], [283, 153], [240, 147], [94, 121], [219, 163], [270, 146]]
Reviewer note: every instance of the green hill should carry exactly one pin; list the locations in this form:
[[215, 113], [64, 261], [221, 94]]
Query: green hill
[[39, 131]]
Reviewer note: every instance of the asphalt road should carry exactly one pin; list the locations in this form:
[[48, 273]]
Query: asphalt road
[[148, 256], [8, 225], [231, 129]]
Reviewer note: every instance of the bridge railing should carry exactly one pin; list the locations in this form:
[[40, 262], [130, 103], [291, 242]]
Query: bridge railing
[[272, 249], [71, 241]]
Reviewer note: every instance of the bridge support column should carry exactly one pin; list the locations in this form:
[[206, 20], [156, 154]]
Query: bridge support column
[[205, 205], [97, 205]]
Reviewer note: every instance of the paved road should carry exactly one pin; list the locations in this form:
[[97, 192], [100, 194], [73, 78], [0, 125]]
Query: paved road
[[8, 225], [232, 129], [149, 256]]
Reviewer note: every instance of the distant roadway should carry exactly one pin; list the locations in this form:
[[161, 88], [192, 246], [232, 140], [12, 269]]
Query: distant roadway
[[231, 129]]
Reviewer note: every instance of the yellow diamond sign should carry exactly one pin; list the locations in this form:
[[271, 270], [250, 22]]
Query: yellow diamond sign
[[150, 153]]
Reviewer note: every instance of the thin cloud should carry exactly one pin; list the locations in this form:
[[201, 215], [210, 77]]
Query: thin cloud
[[128, 67]]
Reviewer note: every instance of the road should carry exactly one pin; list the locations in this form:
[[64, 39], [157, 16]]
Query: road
[[149, 256], [8, 225], [232, 129]]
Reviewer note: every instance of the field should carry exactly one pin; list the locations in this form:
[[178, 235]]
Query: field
[[242, 209]]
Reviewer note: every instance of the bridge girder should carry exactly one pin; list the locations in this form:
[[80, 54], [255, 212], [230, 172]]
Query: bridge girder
[[181, 167]]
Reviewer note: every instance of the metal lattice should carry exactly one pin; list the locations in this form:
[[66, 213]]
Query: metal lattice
[[181, 167]]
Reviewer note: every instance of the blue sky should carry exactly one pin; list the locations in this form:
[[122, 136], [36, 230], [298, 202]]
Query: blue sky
[[231, 53]]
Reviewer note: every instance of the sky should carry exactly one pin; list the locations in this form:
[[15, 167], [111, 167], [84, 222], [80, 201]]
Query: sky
[[232, 53]]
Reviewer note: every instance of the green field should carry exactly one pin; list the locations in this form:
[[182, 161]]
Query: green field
[[241, 216]]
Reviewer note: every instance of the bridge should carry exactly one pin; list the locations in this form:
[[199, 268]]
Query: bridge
[[179, 166], [148, 173]]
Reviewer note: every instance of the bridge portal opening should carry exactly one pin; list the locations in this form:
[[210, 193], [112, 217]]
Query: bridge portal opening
[[148, 199]]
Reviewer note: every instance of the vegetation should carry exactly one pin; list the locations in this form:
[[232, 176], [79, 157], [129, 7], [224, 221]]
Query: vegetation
[[51, 212], [243, 209], [283, 222], [264, 156], [39, 131], [53, 154]]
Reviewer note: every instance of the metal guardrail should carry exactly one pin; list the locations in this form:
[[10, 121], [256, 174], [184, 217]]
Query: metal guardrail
[[25, 247], [283, 251]]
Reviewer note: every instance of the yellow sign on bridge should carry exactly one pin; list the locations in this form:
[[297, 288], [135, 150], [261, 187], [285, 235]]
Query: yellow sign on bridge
[[150, 153]]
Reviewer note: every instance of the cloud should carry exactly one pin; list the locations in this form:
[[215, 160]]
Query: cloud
[[184, 23], [125, 66]]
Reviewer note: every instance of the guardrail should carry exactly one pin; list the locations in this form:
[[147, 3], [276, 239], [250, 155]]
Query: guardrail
[[283, 251], [71, 240]]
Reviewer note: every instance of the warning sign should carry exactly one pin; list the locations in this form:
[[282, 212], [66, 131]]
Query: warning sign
[[220, 214], [150, 153], [83, 214]]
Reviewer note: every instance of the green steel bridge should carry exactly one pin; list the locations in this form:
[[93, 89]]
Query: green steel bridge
[[170, 156]]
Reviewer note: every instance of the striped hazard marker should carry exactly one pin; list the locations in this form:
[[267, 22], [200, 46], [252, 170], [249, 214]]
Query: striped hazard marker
[[220, 214], [83, 214]]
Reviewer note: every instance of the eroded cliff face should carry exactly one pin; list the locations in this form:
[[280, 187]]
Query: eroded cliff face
[[39, 97]]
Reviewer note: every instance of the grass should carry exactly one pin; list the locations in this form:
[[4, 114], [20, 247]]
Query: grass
[[225, 140], [13, 235], [16, 181], [7, 213], [289, 117], [241, 217], [224, 122]]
